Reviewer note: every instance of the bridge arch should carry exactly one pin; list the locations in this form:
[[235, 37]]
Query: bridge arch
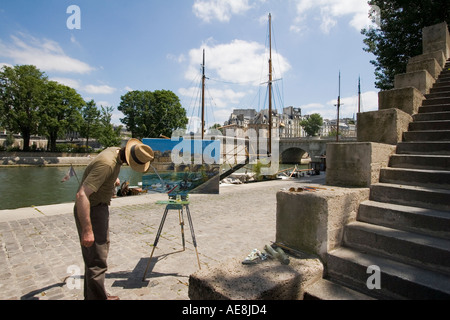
[[292, 155], [314, 147]]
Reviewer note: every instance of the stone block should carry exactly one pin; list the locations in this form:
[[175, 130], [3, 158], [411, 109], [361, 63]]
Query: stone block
[[438, 55], [383, 126], [314, 222], [436, 37], [431, 65], [356, 164], [421, 80], [406, 99], [267, 280]]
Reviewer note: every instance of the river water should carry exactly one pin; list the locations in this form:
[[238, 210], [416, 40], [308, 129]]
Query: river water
[[22, 187]]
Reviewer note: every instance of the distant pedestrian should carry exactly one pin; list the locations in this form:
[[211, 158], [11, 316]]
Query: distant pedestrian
[[91, 210]]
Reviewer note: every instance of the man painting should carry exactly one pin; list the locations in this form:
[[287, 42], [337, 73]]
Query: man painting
[[92, 210]]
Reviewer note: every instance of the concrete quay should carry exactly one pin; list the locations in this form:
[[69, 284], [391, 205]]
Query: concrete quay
[[40, 256]]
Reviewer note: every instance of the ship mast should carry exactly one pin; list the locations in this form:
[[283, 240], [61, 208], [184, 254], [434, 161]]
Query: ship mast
[[269, 150], [359, 94], [338, 107], [203, 96]]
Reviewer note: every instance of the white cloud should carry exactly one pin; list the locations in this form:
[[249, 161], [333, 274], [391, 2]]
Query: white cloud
[[221, 10], [103, 104], [103, 89], [91, 89], [4, 64], [74, 41], [233, 70], [75, 84], [349, 106], [328, 11], [45, 54], [180, 58], [221, 98], [238, 61]]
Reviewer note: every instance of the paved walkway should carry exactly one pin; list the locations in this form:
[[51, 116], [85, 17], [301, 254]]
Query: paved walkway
[[40, 247]]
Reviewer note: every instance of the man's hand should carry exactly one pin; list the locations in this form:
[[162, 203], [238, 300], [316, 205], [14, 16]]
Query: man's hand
[[83, 212], [87, 238]]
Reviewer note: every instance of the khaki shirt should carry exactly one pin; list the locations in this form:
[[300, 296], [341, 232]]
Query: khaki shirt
[[101, 175]]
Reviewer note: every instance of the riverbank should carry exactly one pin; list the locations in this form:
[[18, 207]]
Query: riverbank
[[40, 247], [10, 159]]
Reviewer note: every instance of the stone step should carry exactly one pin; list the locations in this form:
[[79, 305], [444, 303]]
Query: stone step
[[429, 125], [434, 108], [324, 289], [416, 177], [419, 220], [440, 93], [427, 135], [429, 147], [397, 280], [432, 116], [436, 100], [444, 81], [412, 161], [445, 75], [441, 84], [416, 196], [439, 89], [404, 246]]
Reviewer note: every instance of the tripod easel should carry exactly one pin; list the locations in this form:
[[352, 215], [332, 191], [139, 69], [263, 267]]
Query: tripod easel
[[179, 204]]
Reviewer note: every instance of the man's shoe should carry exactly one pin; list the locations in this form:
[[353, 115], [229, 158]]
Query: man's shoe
[[112, 298]]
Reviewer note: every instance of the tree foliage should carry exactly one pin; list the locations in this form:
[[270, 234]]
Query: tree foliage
[[151, 114], [59, 112], [21, 96], [312, 124], [91, 121], [107, 135], [399, 35], [30, 104]]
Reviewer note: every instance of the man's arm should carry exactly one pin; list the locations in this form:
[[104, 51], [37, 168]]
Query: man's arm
[[83, 211]]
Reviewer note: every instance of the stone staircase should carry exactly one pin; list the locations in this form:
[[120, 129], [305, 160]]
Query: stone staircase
[[404, 229]]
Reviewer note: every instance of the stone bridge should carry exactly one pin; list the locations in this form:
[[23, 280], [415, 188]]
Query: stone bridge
[[293, 149], [290, 150]]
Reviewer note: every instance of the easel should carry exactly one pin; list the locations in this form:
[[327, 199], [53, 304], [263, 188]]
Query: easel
[[178, 202]]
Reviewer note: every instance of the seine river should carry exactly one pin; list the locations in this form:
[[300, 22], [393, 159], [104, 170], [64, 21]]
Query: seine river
[[22, 187]]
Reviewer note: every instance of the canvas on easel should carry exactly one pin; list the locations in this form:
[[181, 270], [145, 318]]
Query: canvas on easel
[[183, 166]]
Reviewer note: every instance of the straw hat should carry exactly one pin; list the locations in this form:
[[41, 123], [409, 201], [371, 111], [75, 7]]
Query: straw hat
[[138, 155]]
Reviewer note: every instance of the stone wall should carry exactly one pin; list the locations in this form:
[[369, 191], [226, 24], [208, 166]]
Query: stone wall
[[383, 126], [45, 159], [356, 164], [409, 90], [407, 100], [314, 222]]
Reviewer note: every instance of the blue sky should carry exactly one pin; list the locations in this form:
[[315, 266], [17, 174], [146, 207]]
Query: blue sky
[[157, 45]]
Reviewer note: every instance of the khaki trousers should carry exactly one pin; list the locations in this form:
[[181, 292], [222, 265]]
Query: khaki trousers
[[95, 257]]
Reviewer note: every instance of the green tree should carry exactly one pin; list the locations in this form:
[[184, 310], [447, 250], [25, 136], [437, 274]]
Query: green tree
[[21, 95], [399, 35], [60, 113], [217, 127], [312, 124], [151, 114], [91, 121], [108, 135]]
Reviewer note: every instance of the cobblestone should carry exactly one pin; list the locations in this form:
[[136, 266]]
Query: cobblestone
[[40, 257]]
